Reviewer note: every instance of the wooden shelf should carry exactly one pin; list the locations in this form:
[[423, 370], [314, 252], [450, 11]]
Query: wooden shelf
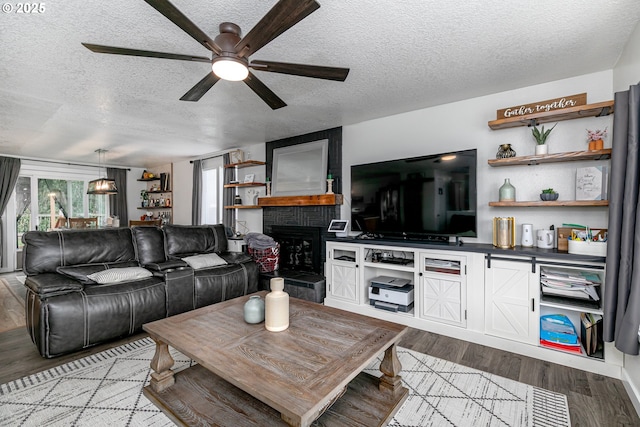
[[316, 200], [569, 156], [150, 179], [154, 207], [242, 207], [158, 192], [244, 164], [589, 110], [245, 184], [577, 203]]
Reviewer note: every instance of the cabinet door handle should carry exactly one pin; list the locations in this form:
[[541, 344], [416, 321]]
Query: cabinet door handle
[[533, 304], [357, 265]]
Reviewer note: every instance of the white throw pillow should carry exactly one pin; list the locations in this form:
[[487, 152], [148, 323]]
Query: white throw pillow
[[198, 262], [115, 275]]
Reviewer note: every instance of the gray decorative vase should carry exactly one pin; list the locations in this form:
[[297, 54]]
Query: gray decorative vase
[[254, 310], [507, 192]]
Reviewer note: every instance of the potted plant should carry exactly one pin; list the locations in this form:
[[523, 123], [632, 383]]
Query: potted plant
[[541, 136], [595, 138], [549, 195]]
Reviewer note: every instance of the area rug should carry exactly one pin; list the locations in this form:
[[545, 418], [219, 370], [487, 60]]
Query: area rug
[[106, 390]]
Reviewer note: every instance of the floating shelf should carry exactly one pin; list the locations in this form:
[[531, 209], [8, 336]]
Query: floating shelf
[[154, 207], [242, 207], [158, 191], [569, 156], [582, 111], [150, 179], [577, 203], [245, 184], [316, 200], [245, 164]]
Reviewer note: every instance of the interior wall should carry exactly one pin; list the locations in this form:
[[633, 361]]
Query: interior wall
[[627, 70], [463, 125], [182, 191], [627, 73]]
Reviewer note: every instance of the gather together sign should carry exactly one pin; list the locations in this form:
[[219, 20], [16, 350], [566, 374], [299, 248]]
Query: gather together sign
[[543, 106]]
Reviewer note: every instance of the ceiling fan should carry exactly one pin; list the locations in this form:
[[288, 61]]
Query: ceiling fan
[[230, 51]]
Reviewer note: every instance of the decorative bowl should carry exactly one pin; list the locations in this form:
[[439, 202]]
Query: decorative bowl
[[548, 197]]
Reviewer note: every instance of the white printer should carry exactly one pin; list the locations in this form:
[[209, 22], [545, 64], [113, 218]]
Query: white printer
[[391, 293]]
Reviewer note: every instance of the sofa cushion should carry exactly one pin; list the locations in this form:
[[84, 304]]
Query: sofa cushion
[[44, 251], [198, 262], [149, 245], [186, 240], [81, 272], [115, 275]]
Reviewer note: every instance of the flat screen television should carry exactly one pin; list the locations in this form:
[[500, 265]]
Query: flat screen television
[[416, 198]]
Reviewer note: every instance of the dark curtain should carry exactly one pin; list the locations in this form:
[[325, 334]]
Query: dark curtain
[[228, 215], [9, 171], [622, 284], [118, 202], [196, 195]]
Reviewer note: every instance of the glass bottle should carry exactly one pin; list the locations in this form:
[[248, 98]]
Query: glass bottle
[[507, 192]]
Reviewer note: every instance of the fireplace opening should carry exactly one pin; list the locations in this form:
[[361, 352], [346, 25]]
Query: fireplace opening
[[300, 247]]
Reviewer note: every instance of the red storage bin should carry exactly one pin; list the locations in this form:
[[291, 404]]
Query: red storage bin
[[267, 259]]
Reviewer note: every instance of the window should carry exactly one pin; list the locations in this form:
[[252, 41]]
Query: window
[[212, 179]]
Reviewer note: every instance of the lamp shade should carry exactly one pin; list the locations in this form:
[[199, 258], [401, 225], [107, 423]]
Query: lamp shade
[[102, 186]]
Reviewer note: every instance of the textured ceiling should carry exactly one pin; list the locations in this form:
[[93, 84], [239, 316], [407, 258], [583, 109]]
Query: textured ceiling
[[60, 101]]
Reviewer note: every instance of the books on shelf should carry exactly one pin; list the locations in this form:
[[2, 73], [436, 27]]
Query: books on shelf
[[570, 348], [441, 266], [591, 332], [558, 329], [581, 285]]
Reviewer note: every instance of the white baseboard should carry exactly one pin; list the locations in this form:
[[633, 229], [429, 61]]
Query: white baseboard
[[633, 390]]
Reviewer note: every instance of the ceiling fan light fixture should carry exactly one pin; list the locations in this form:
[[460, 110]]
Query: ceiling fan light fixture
[[230, 69]]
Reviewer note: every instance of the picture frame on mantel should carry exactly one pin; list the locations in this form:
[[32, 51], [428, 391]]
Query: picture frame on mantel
[[300, 170]]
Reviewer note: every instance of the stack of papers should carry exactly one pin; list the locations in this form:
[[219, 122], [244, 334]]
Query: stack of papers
[[579, 284]]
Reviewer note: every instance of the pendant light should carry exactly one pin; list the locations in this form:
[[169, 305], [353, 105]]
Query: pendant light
[[102, 185]]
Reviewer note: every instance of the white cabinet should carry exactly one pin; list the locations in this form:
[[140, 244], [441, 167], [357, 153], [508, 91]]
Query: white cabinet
[[342, 273], [443, 288], [511, 289]]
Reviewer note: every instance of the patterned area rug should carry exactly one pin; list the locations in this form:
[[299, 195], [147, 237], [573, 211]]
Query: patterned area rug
[[106, 390]]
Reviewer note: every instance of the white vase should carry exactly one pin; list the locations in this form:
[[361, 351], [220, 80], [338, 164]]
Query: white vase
[[541, 149], [277, 306]]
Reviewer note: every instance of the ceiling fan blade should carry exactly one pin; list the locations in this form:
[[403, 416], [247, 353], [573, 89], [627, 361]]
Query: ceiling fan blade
[[264, 92], [314, 71], [145, 53], [284, 15], [196, 92], [178, 18]]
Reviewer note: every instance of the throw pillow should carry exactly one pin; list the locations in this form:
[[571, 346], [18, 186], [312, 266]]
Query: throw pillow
[[198, 262], [115, 275], [81, 272]]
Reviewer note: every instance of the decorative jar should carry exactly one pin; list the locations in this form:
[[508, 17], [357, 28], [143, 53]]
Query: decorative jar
[[507, 192], [505, 151], [277, 306], [254, 309]]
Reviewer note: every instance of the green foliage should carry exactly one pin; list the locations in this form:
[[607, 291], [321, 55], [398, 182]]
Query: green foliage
[[548, 191], [541, 135]]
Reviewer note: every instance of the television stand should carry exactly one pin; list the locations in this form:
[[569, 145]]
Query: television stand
[[430, 238]]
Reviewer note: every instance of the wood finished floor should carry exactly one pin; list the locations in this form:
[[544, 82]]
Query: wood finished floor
[[594, 400]]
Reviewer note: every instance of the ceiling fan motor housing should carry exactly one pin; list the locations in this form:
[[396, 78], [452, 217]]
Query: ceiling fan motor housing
[[228, 38]]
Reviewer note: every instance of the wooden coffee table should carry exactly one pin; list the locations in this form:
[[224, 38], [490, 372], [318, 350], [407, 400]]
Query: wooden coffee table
[[248, 376]]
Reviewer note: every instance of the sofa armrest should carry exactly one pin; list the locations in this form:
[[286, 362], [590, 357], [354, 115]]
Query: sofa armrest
[[235, 257], [52, 284], [161, 267]]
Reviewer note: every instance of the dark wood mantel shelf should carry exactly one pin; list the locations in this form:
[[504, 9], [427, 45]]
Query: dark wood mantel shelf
[[316, 200]]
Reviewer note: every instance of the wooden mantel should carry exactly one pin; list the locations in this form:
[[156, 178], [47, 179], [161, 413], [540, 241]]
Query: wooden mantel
[[316, 200]]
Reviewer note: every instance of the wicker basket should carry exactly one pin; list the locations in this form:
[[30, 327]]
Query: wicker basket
[[267, 259]]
